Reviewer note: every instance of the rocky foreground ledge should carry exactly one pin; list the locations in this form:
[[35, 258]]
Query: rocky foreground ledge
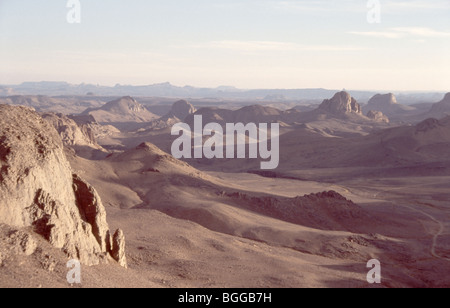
[[39, 192]]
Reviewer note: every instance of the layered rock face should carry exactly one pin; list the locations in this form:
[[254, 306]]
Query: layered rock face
[[39, 190], [341, 103]]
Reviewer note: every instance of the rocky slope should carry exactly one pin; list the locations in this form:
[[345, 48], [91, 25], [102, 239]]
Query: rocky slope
[[441, 109], [39, 191], [70, 132], [423, 148]]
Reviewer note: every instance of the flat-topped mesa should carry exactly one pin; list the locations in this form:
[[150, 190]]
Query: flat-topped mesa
[[341, 103], [388, 105], [383, 100], [38, 189]]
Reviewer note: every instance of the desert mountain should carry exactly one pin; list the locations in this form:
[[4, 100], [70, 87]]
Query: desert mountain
[[249, 114], [388, 105], [342, 106], [212, 114], [429, 140], [341, 103], [258, 114], [441, 109], [180, 110], [154, 160], [42, 103], [123, 110], [339, 116], [413, 146], [5, 91], [39, 191], [409, 148]]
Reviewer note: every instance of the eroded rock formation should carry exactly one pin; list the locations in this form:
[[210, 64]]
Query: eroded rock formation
[[38, 189]]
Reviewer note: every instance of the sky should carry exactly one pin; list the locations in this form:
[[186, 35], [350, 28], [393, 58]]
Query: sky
[[247, 44]]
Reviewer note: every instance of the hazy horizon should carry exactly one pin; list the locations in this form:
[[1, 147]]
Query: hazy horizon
[[248, 45], [380, 91]]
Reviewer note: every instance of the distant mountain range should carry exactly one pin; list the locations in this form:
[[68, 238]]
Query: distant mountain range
[[169, 90]]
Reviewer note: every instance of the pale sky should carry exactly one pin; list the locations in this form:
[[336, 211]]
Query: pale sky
[[247, 44]]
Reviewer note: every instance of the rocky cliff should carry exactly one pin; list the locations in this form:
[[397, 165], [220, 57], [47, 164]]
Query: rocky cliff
[[341, 103], [70, 132], [38, 190], [441, 109]]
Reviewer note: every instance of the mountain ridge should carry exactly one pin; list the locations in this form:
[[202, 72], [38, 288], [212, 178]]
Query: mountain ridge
[[169, 90]]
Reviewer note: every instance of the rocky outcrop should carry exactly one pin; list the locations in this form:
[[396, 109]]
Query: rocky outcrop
[[71, 133], [92, 129], [341, 103], [80, 136], [39, 190], [377, 116], [441, 109], [181, 109], [118, 248], [21, 242]]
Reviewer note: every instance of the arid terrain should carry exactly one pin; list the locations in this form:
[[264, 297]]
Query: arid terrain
[[356, 181]]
